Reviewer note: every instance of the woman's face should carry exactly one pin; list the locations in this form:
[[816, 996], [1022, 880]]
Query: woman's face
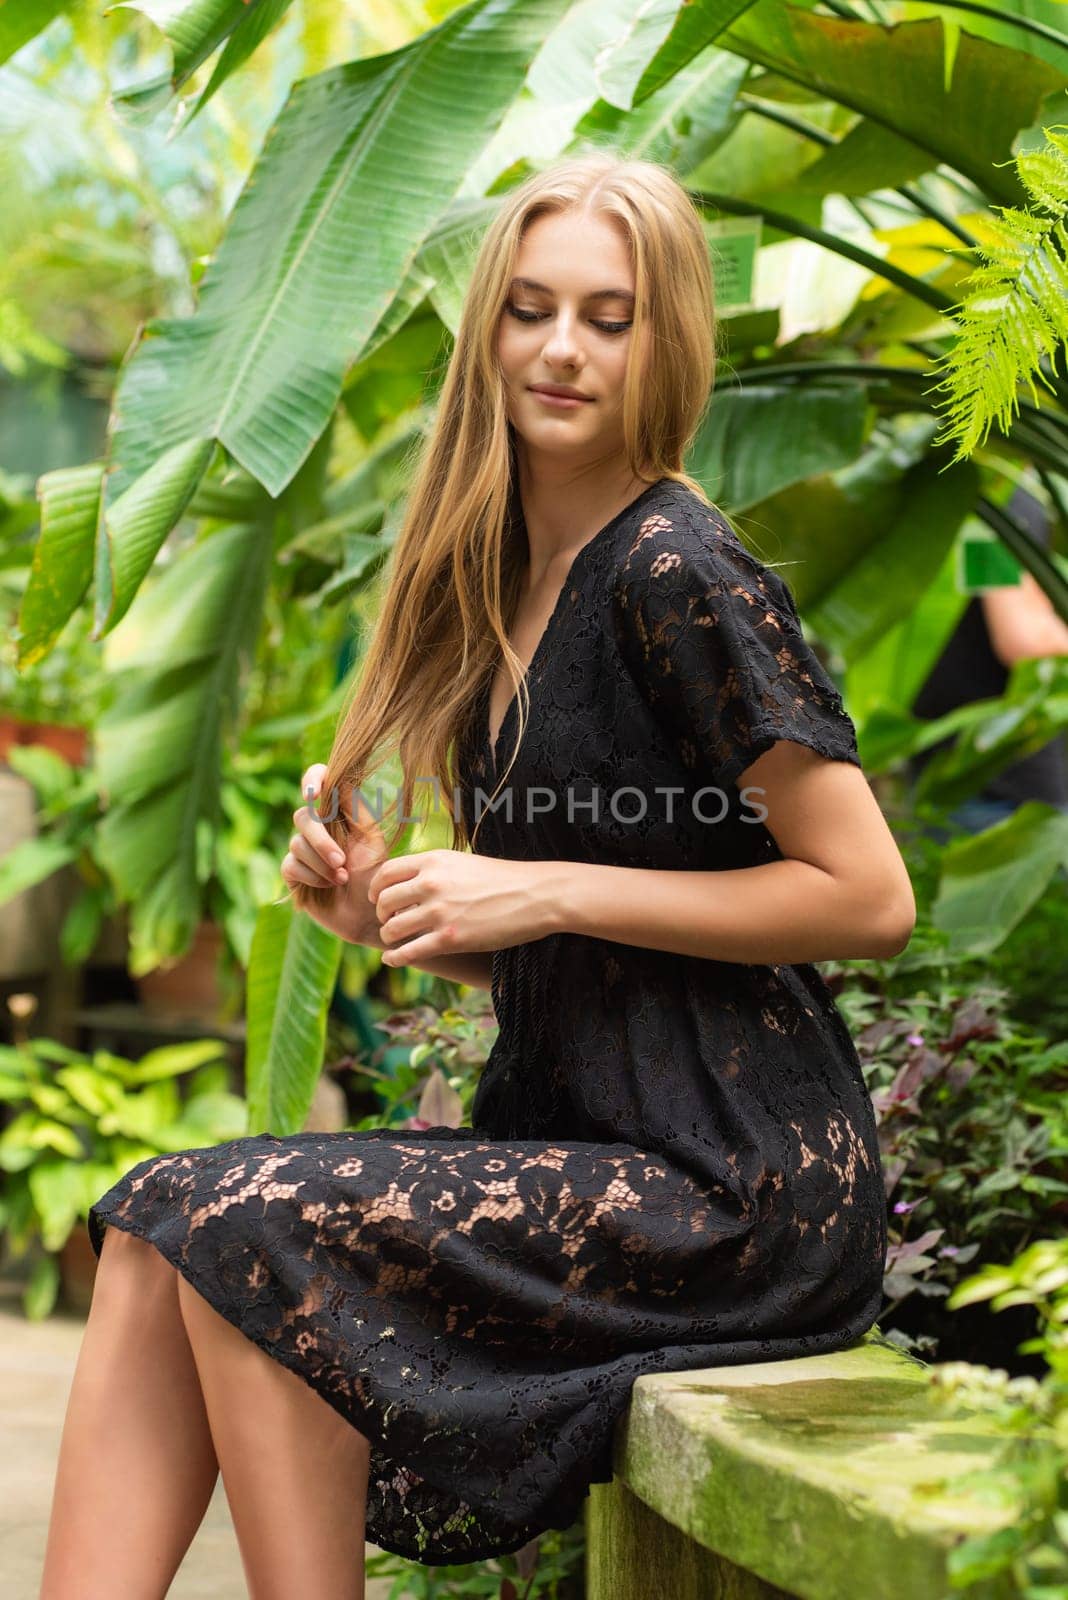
[[568, 332]]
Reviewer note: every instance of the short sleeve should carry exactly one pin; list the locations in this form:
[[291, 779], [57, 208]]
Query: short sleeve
[[713, 640]]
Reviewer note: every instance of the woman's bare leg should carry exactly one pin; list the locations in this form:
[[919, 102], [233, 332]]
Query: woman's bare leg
[[136, 1466], [295, 1471]]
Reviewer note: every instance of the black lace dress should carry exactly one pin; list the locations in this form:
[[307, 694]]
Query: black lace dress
[[672, 1161]]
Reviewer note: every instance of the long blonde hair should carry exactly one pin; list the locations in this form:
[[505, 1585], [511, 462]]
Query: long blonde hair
[[456, 572]]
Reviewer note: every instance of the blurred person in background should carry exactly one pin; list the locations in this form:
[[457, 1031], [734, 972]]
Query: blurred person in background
[[999, 626]]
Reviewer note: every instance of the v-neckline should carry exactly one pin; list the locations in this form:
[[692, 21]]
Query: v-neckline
[[490, 744]]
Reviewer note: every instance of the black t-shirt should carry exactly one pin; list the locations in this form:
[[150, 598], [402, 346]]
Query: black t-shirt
[[969, 670]]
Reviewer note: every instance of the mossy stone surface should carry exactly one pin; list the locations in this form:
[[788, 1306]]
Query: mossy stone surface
[[823, 1476], [633, 1554]]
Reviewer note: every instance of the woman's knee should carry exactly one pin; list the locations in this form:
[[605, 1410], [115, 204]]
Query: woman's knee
[[127, 1259]]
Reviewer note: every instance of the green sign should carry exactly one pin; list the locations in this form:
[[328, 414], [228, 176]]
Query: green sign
[[734, 244], [983, 562]]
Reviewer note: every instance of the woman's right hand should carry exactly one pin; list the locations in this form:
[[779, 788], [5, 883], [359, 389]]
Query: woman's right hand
[[315, 859]]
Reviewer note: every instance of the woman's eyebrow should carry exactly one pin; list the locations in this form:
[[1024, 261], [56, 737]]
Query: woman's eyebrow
[[597, 294]]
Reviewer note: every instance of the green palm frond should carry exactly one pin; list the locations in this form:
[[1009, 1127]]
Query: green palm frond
[[1016, 308]]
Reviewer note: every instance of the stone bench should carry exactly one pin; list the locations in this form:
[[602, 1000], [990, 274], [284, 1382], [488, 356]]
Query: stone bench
[[814, 1478]]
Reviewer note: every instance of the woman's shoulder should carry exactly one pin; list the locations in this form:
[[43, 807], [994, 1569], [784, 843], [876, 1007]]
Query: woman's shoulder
[[680, 534], [685, 554]]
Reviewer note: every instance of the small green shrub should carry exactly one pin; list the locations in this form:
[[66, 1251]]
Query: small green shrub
[[973, 1133], [76, 1123], [1030, 1477], [551, 1567]]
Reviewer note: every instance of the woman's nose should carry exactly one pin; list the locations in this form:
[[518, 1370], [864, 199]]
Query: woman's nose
[[562, 341]]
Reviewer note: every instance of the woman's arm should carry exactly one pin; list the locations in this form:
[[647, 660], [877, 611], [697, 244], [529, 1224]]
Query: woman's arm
[[842, 890], [1022, 623]]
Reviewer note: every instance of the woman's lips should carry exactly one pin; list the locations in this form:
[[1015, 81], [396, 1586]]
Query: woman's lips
[[567, 402]]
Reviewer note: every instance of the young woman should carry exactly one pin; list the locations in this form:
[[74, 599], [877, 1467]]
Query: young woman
[[672, 1160]]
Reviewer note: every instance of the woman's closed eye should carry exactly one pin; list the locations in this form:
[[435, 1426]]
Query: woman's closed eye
[[536, 316]]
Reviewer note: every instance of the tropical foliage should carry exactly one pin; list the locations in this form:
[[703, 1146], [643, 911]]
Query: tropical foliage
[[77, 1123], [1032, 1414], [1016, 300]]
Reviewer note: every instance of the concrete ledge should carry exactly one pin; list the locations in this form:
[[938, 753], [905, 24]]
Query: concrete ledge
[[817, 1476]]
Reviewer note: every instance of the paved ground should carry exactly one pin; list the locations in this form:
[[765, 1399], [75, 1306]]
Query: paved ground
[[36, 1367]]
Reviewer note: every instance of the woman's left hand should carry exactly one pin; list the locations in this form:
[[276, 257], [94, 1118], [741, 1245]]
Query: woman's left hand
[[442, 902]]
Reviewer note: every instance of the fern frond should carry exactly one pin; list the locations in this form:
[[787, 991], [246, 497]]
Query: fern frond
[[1016, 306]]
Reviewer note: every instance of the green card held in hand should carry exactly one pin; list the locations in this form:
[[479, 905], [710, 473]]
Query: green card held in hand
[[983, 562]]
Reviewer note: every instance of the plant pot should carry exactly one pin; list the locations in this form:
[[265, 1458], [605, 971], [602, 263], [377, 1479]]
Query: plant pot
[[70, 743], [77, 1269], [188, 986]]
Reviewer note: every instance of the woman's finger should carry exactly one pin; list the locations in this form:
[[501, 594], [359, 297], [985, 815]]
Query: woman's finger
[[406, 924], [314, 831], [425, 948], [306, 853], [314, 775], [294, 871]]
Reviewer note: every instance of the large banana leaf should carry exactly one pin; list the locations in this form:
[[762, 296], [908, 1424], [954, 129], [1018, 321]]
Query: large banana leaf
[[291, 979], [159, 744], [1037, 26], [62, 558], [247, 34], [863, 539], [868, 156], [684, 123], [193, 29], [134, 526], [991, 881], [650, 55], [893, 671], [73, 537], [766, 162], [560, 86], [600, 49], [23, 20], [352, 178], [760, 439], [792, 224], [447, 257], [887, 577], [894, 76]]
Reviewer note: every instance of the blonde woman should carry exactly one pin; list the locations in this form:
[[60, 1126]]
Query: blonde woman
[[426, 1338]]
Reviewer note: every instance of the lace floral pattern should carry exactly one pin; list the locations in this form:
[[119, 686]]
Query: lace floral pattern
[[714, 639], [672, 1163]]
